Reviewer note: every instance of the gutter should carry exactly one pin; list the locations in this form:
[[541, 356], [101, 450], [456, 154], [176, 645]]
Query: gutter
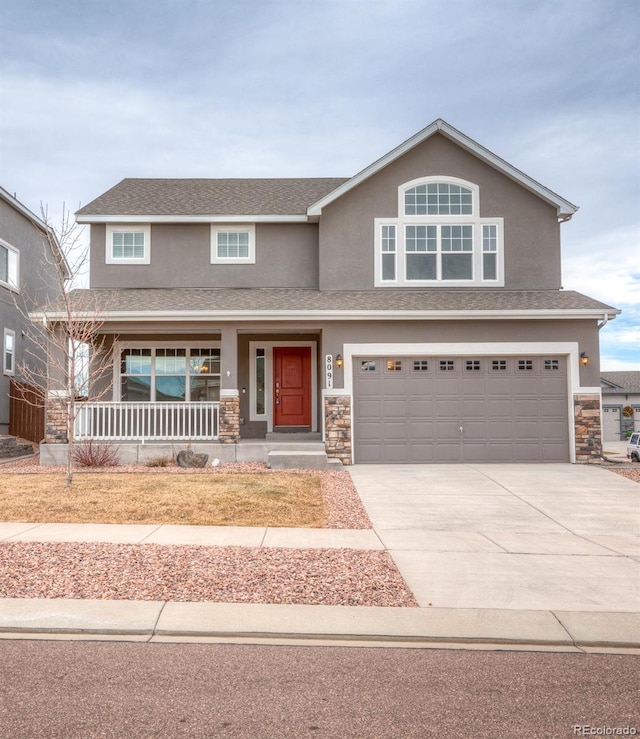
[[336, 315]]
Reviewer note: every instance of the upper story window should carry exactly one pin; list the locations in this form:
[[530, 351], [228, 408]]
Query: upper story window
[[233, 244], [439, 238], [128, 244], [438, 199], [9, 265]]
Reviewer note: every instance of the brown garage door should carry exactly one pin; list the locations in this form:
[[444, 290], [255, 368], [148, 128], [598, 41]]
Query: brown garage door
[[452, 409]]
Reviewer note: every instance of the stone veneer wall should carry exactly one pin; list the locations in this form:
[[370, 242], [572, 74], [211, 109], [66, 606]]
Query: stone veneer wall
[[55, 421], [587, 426], [229, 420], [337, 423]]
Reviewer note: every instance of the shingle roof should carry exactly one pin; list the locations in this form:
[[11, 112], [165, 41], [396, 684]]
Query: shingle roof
[[626, 382], [210, 197], [257, 300]]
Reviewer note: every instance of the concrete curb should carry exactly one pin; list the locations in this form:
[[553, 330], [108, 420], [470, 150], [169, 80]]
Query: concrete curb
[[569, 630]]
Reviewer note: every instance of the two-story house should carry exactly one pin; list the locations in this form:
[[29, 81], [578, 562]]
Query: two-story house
[[410, 313], [28, 275]]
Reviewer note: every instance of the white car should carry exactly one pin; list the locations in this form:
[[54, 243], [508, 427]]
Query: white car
[[633, 447]]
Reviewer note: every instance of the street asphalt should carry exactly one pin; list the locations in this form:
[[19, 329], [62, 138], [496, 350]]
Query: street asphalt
[[497, 556]]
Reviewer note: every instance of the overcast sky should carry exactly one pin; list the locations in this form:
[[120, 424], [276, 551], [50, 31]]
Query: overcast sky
[[92, 92]]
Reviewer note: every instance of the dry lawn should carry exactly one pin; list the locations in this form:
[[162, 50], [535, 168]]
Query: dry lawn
[[269, 499]]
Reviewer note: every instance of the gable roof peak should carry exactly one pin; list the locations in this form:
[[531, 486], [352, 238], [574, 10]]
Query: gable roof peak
[[565, 209]]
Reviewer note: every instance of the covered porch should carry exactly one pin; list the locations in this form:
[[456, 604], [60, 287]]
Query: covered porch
[[234, 392]]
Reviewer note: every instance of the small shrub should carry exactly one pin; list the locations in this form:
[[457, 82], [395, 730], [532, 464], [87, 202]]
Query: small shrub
[[92, 454], [164, 461]]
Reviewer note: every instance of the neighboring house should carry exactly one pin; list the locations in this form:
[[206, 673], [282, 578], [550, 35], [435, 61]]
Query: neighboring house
[[27, 277], [620, 404], [411, 313]]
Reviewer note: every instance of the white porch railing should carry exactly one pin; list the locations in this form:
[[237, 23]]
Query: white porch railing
[[147, 421]]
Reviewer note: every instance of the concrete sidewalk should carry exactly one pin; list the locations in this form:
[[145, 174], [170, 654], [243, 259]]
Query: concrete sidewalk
[[342, 625], [497, 556]]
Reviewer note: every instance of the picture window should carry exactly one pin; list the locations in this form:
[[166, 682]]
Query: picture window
[[170, 374]]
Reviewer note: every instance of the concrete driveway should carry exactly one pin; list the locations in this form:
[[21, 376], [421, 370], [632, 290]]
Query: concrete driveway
[[538, 537]]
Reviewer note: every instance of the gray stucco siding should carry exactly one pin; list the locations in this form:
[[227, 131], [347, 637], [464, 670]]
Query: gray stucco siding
[[286, 256], [532, 233], [38, 283], [467, 333]]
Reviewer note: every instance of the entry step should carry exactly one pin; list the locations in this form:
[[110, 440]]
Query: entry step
[[295, 460]]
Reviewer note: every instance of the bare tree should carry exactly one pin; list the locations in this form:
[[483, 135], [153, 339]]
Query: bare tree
[[63, 329]]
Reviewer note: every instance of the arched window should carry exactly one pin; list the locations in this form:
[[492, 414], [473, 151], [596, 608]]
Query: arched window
[[439, 238], [438, 199]]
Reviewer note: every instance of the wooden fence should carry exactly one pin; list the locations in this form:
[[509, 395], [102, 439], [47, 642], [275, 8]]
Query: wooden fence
[[26, 411]]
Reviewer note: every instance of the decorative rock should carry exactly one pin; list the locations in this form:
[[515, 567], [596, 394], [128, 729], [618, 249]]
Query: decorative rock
[[187, 458]]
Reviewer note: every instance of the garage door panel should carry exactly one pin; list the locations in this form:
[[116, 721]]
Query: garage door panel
[[474, 408], [421, 452], [395, 412], [527, 452], [553, 431], [554, 406], [421, 408], [526, 408], [552, 453], [446, 384], [370, 432], [507, 415], [553, 386], [395, 453], [421, 430], [473, 429], [370, 408]]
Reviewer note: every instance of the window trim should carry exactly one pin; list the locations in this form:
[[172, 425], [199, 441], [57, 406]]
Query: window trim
[[219, 228], [113, 228], [12, 370], [478, 244], [13, 267]]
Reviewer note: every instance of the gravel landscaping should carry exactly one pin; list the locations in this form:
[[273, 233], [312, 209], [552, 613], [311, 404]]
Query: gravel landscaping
[[217, 574], [345, 577], [631, 474]]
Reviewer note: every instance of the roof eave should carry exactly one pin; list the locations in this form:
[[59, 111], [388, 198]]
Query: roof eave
[[212, 218], [331, 314]]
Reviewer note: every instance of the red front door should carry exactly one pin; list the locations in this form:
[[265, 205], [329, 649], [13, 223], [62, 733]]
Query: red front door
[[292, 386]]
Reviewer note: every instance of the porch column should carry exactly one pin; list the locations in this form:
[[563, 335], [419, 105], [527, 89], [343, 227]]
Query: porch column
[[56, 402], [337, 424], [229, 421], [587, 427]]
